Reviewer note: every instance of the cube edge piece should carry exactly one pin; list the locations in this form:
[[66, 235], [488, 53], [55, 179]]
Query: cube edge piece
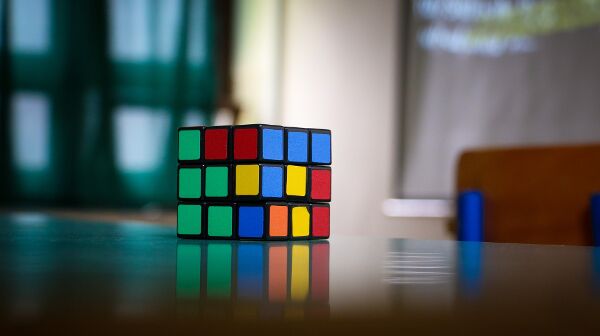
[[310, 186], [229, 146], [191, 166], [287, 130], [320, 205]]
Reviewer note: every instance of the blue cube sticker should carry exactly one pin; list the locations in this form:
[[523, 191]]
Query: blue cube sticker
[[272, 181], [321, 148], [272, 144], [250, 221], [297, 148]]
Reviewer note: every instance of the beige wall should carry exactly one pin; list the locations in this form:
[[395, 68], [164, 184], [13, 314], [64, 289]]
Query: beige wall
[[339, 71]]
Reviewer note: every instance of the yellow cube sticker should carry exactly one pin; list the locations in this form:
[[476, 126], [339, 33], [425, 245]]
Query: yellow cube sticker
[[246, 180], [300, 221], [295, 184]]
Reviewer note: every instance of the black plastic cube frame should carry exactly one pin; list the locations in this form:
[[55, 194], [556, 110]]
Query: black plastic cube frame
[[291, 206], [259, 142], [319, 205], [285, 145], [319, 131], [259, 197], [309, 182], [203, 224], [230, 183], [179, 167], [229, 157], [191, 128], [268, 221], [234, 224]]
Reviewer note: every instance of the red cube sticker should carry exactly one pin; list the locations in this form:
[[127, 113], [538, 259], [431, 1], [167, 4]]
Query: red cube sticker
[[320, 184], [215, 144], [320, 218], [245, 144]]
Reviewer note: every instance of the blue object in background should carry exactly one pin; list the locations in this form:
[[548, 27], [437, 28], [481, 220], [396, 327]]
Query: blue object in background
[[297, 146], [251, 219], [470, 216], [321, 148], [272, 144], [272, 181], [595, 212], [250, 270]]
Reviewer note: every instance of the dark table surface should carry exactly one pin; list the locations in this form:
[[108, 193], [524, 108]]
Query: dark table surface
[[58, 275]]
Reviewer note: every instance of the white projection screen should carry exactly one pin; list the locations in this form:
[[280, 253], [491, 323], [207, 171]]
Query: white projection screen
[[483, 73]]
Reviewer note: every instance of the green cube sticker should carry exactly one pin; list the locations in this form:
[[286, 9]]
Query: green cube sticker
[[190, 182], [189, 145], [220, 219], [189, 219], [217, 182]]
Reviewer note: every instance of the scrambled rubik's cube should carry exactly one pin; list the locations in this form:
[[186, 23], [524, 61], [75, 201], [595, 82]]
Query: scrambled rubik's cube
[[253, 182]]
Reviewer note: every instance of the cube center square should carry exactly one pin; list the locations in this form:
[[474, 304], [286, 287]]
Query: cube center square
[[251, 221], [189, 219], [247, 180], [189, 144], [296, 181], [220, 220], [216, 142], [245, 144], [190, 182], [300, 221], [216, 181]]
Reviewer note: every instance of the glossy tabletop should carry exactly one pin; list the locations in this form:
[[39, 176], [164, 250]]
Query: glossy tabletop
[[60, 274]]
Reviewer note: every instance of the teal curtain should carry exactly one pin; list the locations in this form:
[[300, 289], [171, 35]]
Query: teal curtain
[[91, 95]]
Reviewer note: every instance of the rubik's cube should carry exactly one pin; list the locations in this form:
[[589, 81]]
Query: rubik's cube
[[253, 182]]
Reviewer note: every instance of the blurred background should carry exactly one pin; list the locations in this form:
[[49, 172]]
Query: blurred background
[[92, 92]]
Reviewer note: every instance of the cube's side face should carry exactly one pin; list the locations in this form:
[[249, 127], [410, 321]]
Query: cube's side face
[[245, 143], [251, 219], [189, 183], [216, 184], [320, 221], [300, 219], [320, 147], [278, 224], [272, 178], [295, 184], [272, 144], [297, 146], [189, 219], [220, 221], [216, 144], [320, 184], [190, 144], [247, 180]]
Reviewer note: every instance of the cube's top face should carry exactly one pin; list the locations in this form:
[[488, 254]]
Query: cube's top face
[[189, 143], [320, 146], [216, 143], [297, 145]]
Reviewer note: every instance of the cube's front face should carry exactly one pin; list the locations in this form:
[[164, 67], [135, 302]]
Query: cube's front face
[[190, 183], [272, 182], [297, 146], [300, 221], [189, 219], [296, 181], [220, 221], [320, 221], [247, 180], [216, 182], [189, 144], [320, 184], [250, 221], [272, 144], [278, 221], [320, 148], [216, 143], [245, 144]]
